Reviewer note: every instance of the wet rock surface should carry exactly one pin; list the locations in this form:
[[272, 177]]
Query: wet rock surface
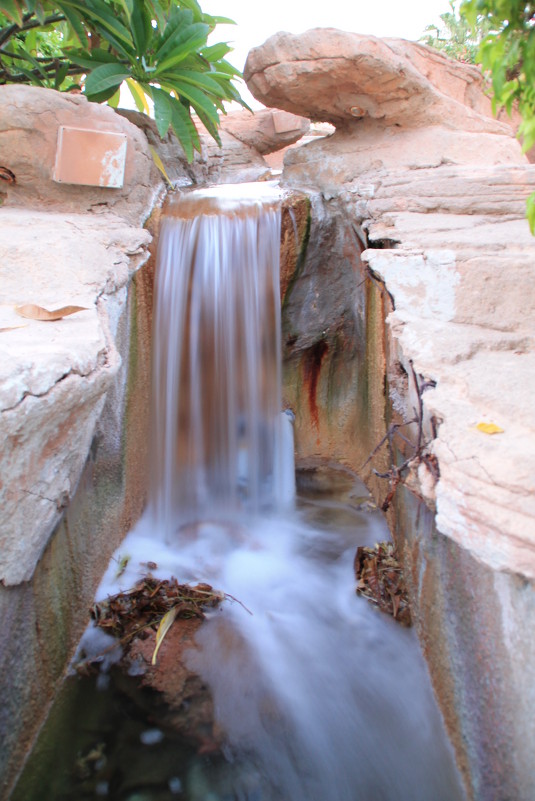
[[440, 197], [439, 189], [179, 699]]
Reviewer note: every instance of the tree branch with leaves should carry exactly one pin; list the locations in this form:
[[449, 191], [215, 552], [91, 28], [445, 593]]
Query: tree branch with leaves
[[159, 48]]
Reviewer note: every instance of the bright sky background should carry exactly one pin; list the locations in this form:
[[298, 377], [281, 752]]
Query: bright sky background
[[256, 21]]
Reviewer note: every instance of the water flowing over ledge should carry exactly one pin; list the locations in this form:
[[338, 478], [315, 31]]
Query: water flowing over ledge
[[217, 432], [317, 696]]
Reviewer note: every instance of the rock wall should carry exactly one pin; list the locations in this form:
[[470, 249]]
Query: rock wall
[[73, 393], [438, 187]]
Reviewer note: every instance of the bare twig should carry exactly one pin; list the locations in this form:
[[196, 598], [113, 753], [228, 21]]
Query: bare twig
[[395, 474]]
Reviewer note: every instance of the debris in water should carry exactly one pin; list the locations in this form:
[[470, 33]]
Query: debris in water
[[129, 613], [380, 580]]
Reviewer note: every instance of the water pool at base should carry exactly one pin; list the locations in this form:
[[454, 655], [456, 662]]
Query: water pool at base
[[324, 699]]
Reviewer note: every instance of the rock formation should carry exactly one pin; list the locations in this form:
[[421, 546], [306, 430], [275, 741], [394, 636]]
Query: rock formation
[[67, 389], [393, 103], [245, 139], [421, 179]]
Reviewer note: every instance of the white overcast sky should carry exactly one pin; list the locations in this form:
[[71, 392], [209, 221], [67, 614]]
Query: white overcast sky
[[256, 21]]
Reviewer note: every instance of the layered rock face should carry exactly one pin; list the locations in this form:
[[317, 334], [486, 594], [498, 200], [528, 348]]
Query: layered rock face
[[71, 480], [421, 179]]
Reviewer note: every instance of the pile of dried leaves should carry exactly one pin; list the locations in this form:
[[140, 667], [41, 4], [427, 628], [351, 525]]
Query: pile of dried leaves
[[128, 613], [380, 579]]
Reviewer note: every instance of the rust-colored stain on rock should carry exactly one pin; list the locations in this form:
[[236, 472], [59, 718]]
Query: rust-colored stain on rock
[[312, 368]]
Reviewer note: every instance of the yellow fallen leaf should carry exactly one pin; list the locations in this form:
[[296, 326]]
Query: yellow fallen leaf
[[489, 428], [33, 312], [165, 624]]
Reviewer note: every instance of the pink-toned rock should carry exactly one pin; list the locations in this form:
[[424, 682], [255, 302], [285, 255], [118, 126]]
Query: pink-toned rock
[[267, 130], [30, 119], [395, 105], [335, 76]]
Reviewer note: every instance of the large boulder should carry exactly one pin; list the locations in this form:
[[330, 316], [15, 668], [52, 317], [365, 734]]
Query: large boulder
[[336, 76], [267, 130], [394, 104], [30, 119]]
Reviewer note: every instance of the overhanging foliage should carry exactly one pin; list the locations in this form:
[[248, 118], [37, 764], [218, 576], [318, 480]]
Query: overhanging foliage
[[158, 47]]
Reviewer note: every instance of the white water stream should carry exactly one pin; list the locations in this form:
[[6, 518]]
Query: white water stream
[[320, 697]]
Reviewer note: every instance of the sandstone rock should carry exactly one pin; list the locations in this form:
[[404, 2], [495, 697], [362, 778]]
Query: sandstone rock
[[335, 76], [395, 104], [234, 162], [29, 121], [267, 130], [54, 376]]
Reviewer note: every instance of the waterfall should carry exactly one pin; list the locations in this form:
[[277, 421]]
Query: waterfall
[[217, 433], [317, 696]]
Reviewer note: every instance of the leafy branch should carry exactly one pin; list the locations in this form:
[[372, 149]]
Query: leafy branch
[[158, 48], [455, 36]]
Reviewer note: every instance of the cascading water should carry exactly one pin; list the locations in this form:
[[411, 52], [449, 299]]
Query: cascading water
[[319, 697], [217, 429]]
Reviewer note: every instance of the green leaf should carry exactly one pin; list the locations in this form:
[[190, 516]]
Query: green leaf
[[115, 99], [179, 21], [158, 13], [530, 212], [128, 6], [92, 59], [180, 45], [74, 21], [104, 96], [162, 110], [61, 74], [105, 77], [223, 21], [200, 80], [216, 52], [99, 12], [141, 28], [202, 105], [12, 10], [526, 130], [184, 129]]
